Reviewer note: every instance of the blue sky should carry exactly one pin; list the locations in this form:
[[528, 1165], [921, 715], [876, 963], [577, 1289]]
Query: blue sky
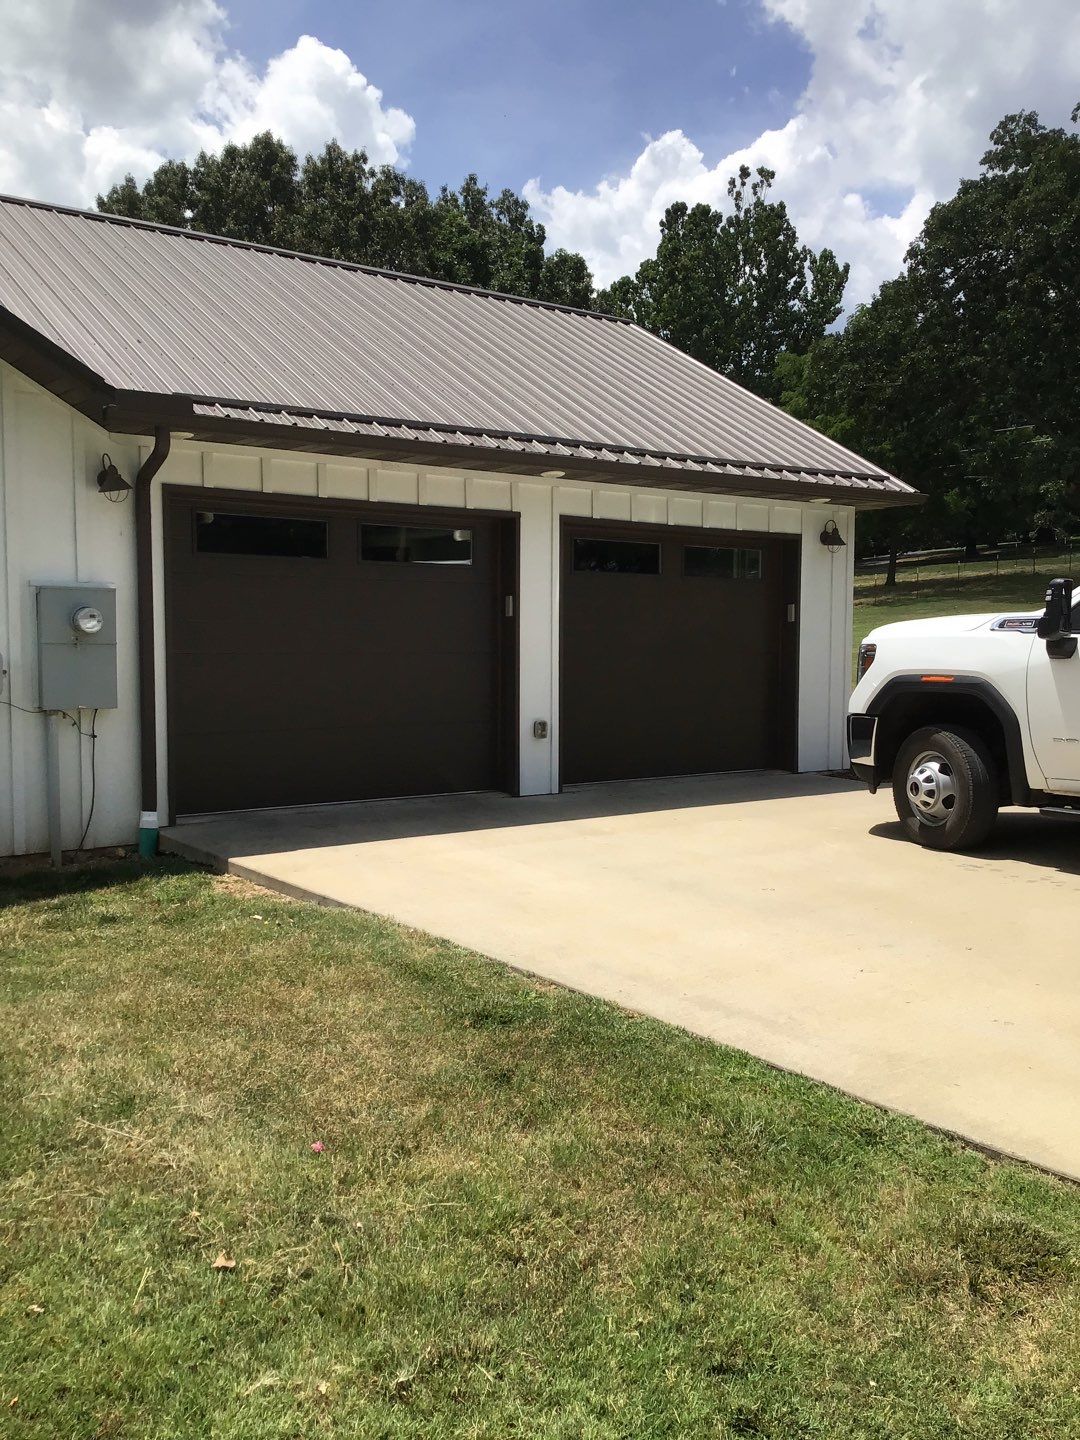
[[512, 90], [601, 112]]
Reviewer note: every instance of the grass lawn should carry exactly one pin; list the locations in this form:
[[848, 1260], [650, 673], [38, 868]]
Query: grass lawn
[[972, 594], [534, 1215]]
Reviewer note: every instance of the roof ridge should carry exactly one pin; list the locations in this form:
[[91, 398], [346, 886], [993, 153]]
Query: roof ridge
[[106, 217]]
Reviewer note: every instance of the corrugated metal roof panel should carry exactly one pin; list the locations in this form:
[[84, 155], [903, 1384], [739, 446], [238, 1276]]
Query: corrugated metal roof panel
[[554, 449], [170, 313]]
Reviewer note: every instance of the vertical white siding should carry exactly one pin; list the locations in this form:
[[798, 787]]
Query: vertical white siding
[[825, 645], [54, 526], [58, 528], [537, 566]]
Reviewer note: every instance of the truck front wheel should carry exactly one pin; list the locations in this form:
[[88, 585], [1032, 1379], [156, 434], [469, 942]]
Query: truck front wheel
[[945, 789]]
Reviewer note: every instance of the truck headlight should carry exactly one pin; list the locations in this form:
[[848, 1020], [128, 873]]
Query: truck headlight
[[867, 652]]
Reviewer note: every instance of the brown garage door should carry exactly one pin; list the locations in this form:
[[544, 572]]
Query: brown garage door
[[677, 652], [323, 653]]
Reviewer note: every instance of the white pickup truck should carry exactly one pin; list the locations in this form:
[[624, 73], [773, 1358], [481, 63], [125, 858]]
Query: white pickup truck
[[965, 714]]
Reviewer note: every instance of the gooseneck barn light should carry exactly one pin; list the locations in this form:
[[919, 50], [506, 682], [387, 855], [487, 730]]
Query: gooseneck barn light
[[831, 538], [110, 482]]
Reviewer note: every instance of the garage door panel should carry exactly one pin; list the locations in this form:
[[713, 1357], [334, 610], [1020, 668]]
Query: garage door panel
[[239, 695], [441, 617], [674, 673], [216, 614], [361, 760], [300, 681]]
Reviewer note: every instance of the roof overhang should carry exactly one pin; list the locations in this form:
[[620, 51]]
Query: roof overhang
[[237, 422]]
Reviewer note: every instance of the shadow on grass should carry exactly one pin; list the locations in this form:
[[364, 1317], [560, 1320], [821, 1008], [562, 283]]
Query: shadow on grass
[[36, 879]]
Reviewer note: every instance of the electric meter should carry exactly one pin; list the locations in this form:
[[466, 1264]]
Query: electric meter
[[87, 620], [76, 647]]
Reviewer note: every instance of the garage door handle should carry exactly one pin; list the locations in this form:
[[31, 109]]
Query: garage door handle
[[508, 607], [791, 614]]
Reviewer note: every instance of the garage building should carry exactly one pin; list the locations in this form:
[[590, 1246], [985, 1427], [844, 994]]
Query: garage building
[[352, 534]]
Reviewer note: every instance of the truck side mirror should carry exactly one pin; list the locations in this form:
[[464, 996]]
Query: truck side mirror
[[1055, 623]]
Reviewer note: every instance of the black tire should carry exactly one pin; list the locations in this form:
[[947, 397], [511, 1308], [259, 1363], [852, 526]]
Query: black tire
[[945, 788]]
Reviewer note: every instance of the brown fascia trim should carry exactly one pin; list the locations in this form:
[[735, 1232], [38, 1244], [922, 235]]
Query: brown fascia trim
[[526, 437], [140, 413], [177, 412], [53, 368]]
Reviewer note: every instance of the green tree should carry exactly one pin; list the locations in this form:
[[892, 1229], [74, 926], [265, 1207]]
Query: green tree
[[997, 270], [869, 388], [734, 290], [336, 203], [246, 192], [565, 279], [350, 210], [960, 374]]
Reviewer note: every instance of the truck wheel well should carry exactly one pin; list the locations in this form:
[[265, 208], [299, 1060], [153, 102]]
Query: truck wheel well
[[909, 712]]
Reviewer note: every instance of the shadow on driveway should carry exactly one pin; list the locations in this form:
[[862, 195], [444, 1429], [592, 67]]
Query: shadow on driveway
[[210, 838], [1051, 842]]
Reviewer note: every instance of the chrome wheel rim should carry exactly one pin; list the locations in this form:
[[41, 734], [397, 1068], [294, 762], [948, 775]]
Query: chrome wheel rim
[[931, 788]]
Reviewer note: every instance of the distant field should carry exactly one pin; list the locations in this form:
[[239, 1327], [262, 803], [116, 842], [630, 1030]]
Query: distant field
[[939, 592]]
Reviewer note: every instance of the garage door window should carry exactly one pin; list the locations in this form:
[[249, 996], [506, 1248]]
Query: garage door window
[[220, 532], [718, 562], [617, 557], [415, 545], [722, 562]]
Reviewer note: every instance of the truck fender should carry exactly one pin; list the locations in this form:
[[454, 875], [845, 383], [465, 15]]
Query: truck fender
[[973, 688]]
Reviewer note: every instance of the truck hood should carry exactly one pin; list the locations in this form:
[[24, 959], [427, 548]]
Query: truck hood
[[950, 624]]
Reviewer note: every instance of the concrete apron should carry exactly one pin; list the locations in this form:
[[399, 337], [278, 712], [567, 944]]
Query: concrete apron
[[779, 914]]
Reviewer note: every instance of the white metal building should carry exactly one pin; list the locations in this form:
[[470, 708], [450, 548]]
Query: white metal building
[[385, 536]]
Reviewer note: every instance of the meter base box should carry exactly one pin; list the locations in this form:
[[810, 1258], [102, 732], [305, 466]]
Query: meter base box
[[76, 670]]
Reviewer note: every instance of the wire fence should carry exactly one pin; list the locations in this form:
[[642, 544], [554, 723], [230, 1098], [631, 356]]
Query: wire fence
[[945, 568]]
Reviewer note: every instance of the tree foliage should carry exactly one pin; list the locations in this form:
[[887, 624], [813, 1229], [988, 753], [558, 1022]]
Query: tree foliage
[[337, 204], [960, 375], [735, 290]]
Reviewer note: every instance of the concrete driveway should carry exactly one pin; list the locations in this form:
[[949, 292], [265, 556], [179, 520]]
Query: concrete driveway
[[780, 914]]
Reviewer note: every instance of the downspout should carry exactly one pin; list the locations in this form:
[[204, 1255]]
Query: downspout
[[144, 585]]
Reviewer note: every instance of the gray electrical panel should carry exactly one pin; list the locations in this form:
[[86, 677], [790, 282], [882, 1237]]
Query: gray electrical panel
[[76, 647]]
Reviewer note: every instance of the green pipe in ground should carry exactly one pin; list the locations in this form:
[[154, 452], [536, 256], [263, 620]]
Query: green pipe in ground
[[148, 835]]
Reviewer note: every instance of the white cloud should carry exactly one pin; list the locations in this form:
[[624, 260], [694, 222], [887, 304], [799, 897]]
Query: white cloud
[[90, 89], [901, 98]]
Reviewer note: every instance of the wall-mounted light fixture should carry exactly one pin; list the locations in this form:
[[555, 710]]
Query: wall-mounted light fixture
[[831, 538], [110, 482], [552, 474]]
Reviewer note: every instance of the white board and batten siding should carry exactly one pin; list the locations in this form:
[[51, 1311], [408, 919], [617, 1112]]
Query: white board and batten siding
[[55, 527]]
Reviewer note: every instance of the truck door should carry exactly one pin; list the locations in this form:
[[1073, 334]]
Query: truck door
[[1053, 698]]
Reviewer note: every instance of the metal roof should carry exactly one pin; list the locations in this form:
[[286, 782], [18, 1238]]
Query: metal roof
[[552, 450], [271, 337]]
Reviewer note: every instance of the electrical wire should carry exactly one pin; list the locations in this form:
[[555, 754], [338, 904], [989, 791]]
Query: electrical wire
[[12, 706], [86, 734], [93, 777], [90, 735]]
